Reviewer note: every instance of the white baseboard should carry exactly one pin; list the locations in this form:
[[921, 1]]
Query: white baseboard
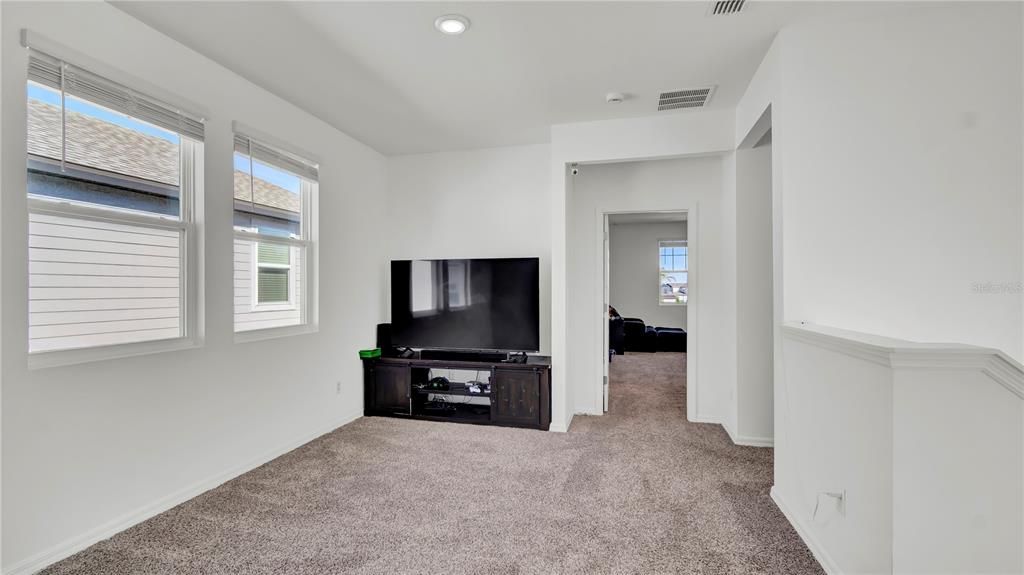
[[747, 440], [558, 428], [729, 431], [826, 561], [704, 419], [75, 544]]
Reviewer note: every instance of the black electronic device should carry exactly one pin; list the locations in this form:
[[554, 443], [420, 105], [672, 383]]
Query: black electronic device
[[384, 340], [439, 384], [466, 304], [515, 358]]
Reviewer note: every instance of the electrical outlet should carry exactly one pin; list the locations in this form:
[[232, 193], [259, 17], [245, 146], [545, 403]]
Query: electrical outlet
[[838, 496], [337, 388]]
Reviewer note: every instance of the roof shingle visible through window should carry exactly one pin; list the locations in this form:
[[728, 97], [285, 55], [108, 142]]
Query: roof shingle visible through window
[[99, 144]]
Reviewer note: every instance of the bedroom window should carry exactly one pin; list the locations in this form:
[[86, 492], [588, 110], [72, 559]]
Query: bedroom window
[[672, 272], [111, 180], [274, 199]]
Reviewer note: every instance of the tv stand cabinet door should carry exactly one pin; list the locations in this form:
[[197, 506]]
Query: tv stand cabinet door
[[392, 387], [516, 397]]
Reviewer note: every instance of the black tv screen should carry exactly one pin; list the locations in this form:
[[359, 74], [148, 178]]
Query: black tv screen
[[476, 304]]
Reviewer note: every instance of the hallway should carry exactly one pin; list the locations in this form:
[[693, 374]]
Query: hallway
[[640, 490]]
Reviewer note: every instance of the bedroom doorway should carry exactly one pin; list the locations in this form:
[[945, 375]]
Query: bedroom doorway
[[646, 295]]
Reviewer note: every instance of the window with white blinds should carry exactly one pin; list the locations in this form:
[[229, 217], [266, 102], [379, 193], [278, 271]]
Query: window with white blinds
[[111, 178], [274, 193]]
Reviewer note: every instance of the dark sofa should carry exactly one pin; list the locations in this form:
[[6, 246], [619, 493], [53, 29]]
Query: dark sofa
[[641, 337], [671, 339], [617, 335]]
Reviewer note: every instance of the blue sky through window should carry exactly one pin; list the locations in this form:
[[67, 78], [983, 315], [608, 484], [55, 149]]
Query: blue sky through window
[[673, 258], [267, 173], [49, 96]]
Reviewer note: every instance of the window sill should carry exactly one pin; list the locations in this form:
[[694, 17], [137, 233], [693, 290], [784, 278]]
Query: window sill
[[671, 304], [274, 332], [263, 307], [47, 359]]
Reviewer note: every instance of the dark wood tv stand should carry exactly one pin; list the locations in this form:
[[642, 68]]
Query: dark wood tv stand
[[520, 392]]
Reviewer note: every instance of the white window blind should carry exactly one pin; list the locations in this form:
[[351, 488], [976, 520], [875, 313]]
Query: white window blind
[[75, 81], [278, 158]]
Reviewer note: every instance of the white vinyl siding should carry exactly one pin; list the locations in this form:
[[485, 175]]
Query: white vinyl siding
[[249, 315], [95, 283]]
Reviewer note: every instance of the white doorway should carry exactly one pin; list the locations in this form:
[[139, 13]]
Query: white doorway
[[647, 282]]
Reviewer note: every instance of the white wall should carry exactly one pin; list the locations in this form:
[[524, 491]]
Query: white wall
[[875, 192], [754, 346], [693, 184], [670, 136], [633, 272], [91, 448], [473, 204], [835, 414], [925, 442], [898, 202]]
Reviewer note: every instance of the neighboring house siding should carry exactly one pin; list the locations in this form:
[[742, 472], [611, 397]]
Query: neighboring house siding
[[97, 283], [247, 317]]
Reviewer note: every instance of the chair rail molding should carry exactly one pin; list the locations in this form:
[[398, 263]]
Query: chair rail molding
[[926, 438], [900, 354]]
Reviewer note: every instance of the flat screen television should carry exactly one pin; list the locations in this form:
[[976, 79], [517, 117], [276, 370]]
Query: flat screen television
[[468, 304]]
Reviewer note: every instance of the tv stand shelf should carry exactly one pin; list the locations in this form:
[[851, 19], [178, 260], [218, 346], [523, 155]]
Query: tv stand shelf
[[520, 392], [458, 389]]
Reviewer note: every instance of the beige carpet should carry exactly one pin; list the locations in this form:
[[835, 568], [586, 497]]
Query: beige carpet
[[639, 490]]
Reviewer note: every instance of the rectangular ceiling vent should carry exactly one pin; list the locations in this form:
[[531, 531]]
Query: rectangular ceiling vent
[[693, 98], [723, 7]]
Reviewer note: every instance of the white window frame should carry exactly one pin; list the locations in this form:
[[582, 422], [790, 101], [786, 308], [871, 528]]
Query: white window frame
[[189, 222], [308, 201], [256, 305], [661, 271], [190, 179]]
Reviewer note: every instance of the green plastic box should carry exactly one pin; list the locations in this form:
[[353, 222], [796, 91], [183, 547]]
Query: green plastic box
[[369, 353]]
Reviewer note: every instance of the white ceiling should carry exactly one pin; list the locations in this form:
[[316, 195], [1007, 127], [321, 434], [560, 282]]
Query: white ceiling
[[380, 72]]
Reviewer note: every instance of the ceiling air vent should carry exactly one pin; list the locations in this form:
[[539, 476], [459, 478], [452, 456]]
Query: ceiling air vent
[[695, 98], [723, 7]]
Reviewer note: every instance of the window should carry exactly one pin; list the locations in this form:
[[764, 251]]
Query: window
[[672, 268], [274, 193], [111, 178], [273, 275]]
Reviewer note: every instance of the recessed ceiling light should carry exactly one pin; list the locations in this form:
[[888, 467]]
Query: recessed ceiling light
[[452, 24]]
